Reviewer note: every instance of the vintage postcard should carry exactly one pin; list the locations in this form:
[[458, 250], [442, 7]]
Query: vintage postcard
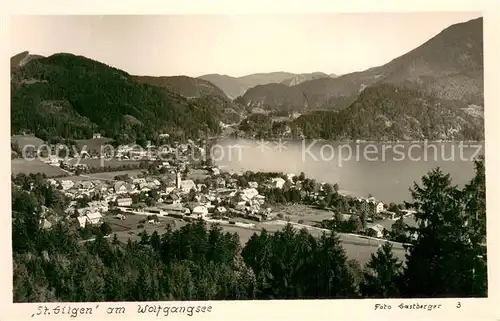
[[251, 164]]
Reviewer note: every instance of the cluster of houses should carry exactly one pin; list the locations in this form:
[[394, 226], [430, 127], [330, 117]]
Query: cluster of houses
[[183, 198], [91, 199]]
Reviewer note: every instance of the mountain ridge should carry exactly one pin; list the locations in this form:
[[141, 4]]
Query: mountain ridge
[[237, 86], [186, 86], [71, 96], [449, 65]]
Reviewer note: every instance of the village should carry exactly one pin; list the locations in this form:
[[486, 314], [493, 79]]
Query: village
[[170, 192]]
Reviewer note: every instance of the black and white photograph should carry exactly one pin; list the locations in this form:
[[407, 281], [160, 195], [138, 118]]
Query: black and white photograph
[[232, 157]]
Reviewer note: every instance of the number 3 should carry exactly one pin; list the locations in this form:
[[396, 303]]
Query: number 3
[[459, 305]]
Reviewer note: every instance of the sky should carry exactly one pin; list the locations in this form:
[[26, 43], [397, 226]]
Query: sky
[[234, 45]]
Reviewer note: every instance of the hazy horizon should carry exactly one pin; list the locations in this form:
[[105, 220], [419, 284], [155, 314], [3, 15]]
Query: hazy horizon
[[234, 45]]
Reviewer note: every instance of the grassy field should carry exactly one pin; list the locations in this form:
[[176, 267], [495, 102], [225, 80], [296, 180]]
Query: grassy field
[[20, 165], [96, 163], [128, 228], [23, 140], [306, 213], [102, 176], [356, 248]]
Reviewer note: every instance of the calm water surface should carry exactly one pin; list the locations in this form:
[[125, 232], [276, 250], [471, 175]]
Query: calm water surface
[[385, 170]]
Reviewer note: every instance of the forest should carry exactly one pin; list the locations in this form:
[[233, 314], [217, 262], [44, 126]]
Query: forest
[[380, 113], [72, 97], [202, 262]]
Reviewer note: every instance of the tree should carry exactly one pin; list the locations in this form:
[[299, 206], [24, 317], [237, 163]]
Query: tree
[[105, 228], [443, 260], [395, 208], [399, 231], [322, 203], [331, 277], [362, 219], [115, 240], [382, 274], [150, 201], [370, 232], [336, 187], [242, 182], [327, 188], [474, 197], [191, 195]]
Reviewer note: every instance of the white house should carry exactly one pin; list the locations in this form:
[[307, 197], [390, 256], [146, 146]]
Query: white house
[[120, 188], [261, 199], [249, 193], [389, 215], [94, 218], [187, 185], [66, 184], [221, 210], [52, 160], [253, 184], [139, 181], [221, 183], [172, 198], [123, 187], [169, 189], [82, 221], [278, 182], [100, 206], [379, 229], [200, 211], [125, 201], [379, 207]]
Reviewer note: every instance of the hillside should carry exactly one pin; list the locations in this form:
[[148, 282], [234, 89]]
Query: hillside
[[386, 112], [183, 85], [237, 86], [298, 79], [450, 65], [72, 96], [22, 59], [274, 96]]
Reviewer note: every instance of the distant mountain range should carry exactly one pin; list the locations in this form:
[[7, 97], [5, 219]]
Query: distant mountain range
[[237, 86], [450, 66], [441, 81]]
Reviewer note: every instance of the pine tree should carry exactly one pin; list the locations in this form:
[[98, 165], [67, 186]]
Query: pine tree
[[475, 210], [381, 275], [442, 261], [330, 274]]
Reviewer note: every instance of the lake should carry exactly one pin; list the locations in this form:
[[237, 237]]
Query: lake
[[384, 170]]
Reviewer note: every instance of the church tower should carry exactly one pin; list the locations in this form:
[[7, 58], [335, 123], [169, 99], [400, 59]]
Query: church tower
[[178, 180]]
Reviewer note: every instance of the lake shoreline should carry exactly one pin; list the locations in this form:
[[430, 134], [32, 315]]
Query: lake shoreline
[[387, 175]]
